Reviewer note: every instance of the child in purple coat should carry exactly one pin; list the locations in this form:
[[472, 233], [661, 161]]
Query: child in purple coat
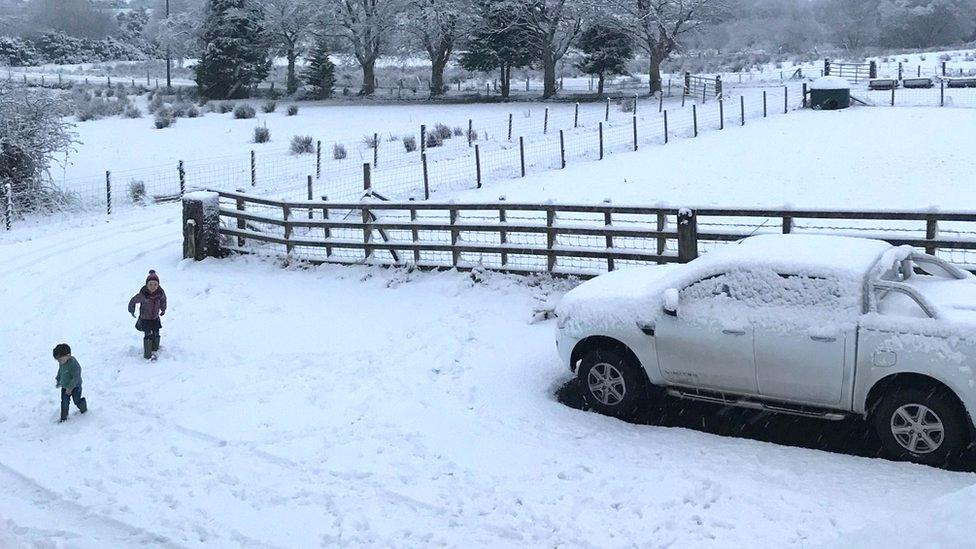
[[152, 305]]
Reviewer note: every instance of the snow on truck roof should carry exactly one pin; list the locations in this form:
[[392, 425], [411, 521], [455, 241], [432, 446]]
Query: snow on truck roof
[[800, 253]]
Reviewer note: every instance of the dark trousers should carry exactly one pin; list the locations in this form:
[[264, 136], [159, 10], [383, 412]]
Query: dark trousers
[[80, 402]]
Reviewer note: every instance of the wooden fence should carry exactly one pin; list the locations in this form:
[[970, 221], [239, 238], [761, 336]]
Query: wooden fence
[[856, 72], [566, 239], [704, 86]]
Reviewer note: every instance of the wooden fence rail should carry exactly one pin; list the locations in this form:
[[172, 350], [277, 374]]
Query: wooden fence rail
[[569, 239]]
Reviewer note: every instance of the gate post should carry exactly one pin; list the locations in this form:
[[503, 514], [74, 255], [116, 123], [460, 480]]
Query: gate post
[[201, 225], [873, 69], [826, 69], [687, 235]]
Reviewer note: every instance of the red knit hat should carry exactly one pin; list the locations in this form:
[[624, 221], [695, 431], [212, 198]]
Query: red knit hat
[[152, 276]]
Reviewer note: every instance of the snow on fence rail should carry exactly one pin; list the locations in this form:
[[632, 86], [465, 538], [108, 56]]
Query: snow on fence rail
[[565, 239]]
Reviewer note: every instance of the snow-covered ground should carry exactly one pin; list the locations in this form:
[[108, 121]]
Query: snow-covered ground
[[366, 407]]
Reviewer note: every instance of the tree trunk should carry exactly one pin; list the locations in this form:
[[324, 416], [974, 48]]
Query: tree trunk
[[437, 66], [655, 73], [292, 85], [549, 74], [599, 86], [369, 77], [506, 75]]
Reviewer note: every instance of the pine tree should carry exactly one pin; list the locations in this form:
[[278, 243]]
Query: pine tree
[[235, 51], [499, 40], [320, 73], [606, 50]]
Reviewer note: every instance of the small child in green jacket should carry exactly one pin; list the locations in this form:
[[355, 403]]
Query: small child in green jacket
[[69, 380]]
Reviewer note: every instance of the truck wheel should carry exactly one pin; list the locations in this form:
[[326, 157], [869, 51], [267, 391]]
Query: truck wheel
[[613, 384], [923, 425]]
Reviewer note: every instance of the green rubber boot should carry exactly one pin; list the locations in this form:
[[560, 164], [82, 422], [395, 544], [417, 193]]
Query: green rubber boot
[[147, 348]]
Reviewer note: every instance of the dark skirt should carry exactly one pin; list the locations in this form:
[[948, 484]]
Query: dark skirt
[[148, 324]]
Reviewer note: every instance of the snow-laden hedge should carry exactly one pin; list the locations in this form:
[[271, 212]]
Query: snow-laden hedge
[[61, 49]]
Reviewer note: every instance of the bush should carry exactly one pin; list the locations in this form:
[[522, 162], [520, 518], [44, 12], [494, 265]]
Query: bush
[[97, 107], [225, 108], [458, 131], [132, 111], [156, 103], [338, 151], [292, 110], [433, 140], [269, 106], [442, 132], [137, 191], [627, 105], [244, 111], [164, 119], [178, 110], [410, 143], [371, 141], [262, 134], [302, 144], [943, 57], [192, 111]]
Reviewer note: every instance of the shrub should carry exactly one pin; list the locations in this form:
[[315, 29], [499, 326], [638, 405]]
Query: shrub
[[178, 110], [458, 131], [371, 141], [132, 111], [192, 111], [433, 140], [244, 111], [164, 118], [269, 106], [627, 105], [225, 108], [302, 144], [292, 110], [262, 134], [156, 103], [943, 57], [338, 151], [410, 143], [442, 132], [137, 191]]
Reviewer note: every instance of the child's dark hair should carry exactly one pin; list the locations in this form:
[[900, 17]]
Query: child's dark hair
[[61, 349]]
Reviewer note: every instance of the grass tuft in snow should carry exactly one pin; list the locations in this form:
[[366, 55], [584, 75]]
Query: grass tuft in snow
[[338, 151], [262, 134], [302, 144]]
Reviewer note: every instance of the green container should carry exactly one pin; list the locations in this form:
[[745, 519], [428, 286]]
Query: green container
[[829, 100]]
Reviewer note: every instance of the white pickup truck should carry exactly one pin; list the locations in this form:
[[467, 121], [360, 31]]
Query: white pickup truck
[[818, 326]]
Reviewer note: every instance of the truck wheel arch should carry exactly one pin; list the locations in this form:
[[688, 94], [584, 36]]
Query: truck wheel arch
[[587, 344], [906, 379]]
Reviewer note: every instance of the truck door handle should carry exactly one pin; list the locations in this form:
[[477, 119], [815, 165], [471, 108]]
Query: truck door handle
[[823, 339], [734, 332]]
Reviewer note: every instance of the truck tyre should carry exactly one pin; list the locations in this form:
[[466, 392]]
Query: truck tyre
[[613, 383], [921, 424]]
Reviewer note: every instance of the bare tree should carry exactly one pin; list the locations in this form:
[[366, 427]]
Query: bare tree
[[852, 24], [289, 24], [554, 25], [659, 26], [435, 25], [369, 27]]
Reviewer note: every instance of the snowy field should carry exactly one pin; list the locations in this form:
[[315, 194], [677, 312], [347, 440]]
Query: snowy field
[[365, 407]]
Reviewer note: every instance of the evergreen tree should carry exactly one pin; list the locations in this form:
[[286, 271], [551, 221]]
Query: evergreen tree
[[320, 72], [606, 50], [499, 40], [235, 51]]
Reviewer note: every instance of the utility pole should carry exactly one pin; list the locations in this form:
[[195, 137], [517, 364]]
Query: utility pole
[[169, 86]]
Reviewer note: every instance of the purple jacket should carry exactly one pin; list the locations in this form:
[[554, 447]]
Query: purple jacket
[[151, 304]]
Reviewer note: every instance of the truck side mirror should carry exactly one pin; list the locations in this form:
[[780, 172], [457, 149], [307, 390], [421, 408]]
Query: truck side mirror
[[671, 302]]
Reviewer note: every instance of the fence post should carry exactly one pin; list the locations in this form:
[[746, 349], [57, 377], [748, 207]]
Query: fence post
[[718, 86], [455, 237], [318, 160], [8, 204], [687, 87], [423, 139], [550, 239], [470, 130], [635, 132], [608, 223], [376, 149], [636, 97], [576, 116], [522, 154], [503, 235], [742, 110], [704, 91], [931, 233], [108, 193], [687, 235], [415, 236], [899, 71], [665, 127], [477, 164], [764, 103], [327, 231], [241, 223], [662, 241], [254, 170], [545, 122], [606, 117], [804, 91], [787, 224], [367, 231], [942, 93], [694, 119], [201, 226], [660, 102], [919, 71], [943, 68], [182, 172], [423, 161], [873, 69], [786, 100], [310, 196], [367, 179], [562, 150], [892, 96], [683, 99], [601, 140], [721, 114], [826, 69], [509, 126]]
